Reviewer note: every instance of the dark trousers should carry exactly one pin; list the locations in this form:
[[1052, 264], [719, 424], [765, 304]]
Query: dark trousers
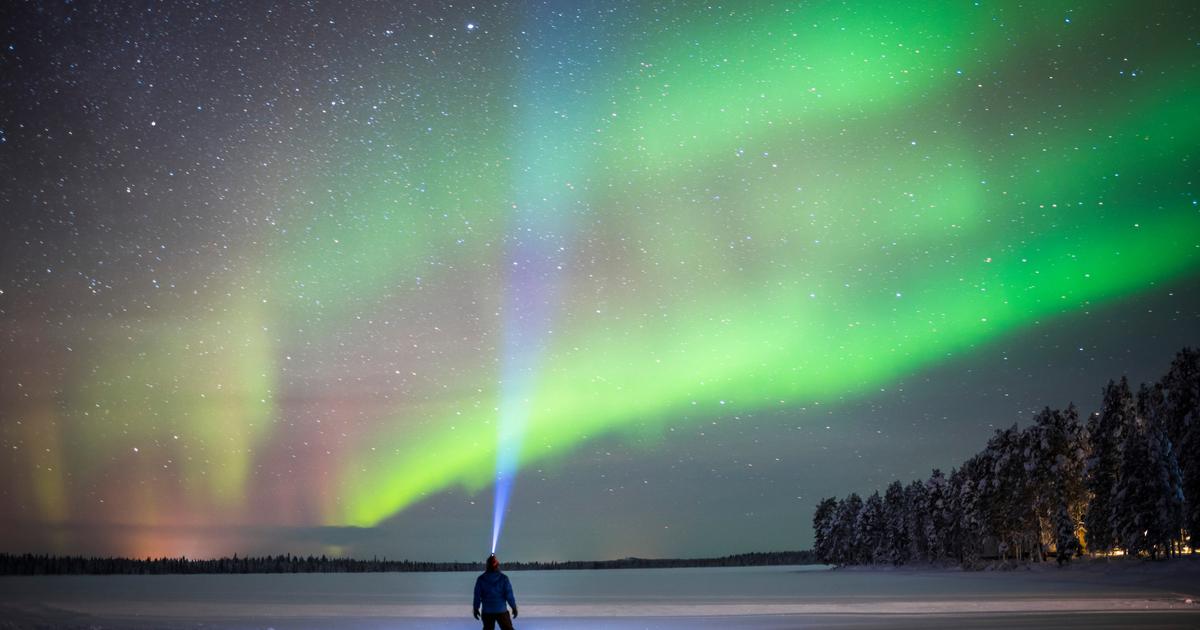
[[490, 620]]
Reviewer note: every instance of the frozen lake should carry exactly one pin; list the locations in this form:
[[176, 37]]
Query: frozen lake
[[1098, 595]]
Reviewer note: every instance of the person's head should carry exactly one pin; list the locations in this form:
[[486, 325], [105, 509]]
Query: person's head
[[492, 563]]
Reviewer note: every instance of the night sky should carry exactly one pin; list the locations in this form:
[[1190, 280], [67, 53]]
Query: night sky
[[301, 277]]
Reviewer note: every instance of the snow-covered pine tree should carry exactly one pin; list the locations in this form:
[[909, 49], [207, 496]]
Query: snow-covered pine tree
[[871, 531], [1066, 540], [895, 524], [1133, 498], [1009, 511], [1071, 467], [1056, 477], [935, 521], [1104, 464], [845, 536], [916, 508], [839, 532], [1164, 465], [973, 496], [1147, 497], [952, 539], [1181, 418], [990, 510], [1039, 482], [1181, 393], [1170, 522], [822, 528]]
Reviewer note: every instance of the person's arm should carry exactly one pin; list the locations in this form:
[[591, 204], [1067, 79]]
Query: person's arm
[[508, 595], [478, 598]]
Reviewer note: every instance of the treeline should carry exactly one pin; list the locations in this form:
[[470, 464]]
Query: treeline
[[769, 558], [30, 564], [1126, 481]]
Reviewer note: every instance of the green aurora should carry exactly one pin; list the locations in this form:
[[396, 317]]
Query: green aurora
[[838, 253]]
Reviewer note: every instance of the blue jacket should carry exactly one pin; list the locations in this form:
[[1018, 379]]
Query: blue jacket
[[493, 590]]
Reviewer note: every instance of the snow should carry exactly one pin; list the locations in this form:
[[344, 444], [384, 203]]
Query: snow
[[757, 597]]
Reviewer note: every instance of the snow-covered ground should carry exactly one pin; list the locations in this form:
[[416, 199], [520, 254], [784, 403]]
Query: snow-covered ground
[[1094, 595]]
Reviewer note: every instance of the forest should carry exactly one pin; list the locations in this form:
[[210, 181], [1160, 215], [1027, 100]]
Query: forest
[[1125, 481], [40, 564]]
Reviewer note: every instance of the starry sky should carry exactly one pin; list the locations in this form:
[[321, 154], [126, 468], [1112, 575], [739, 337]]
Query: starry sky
[[300, 276]]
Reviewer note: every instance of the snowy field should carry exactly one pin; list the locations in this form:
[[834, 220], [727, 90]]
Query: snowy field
[[1095, 595]]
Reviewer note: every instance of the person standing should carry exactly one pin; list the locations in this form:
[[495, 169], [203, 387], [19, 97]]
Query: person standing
[[494, 592]]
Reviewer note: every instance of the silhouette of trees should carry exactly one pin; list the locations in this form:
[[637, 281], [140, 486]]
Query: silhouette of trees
[[823, 527], [30, 564], [1118, 484], [1179, 418], [895, 525], [1104, 464]]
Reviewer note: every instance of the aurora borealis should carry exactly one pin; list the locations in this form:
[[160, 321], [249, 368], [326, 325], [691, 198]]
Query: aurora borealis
[[297, 277]]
